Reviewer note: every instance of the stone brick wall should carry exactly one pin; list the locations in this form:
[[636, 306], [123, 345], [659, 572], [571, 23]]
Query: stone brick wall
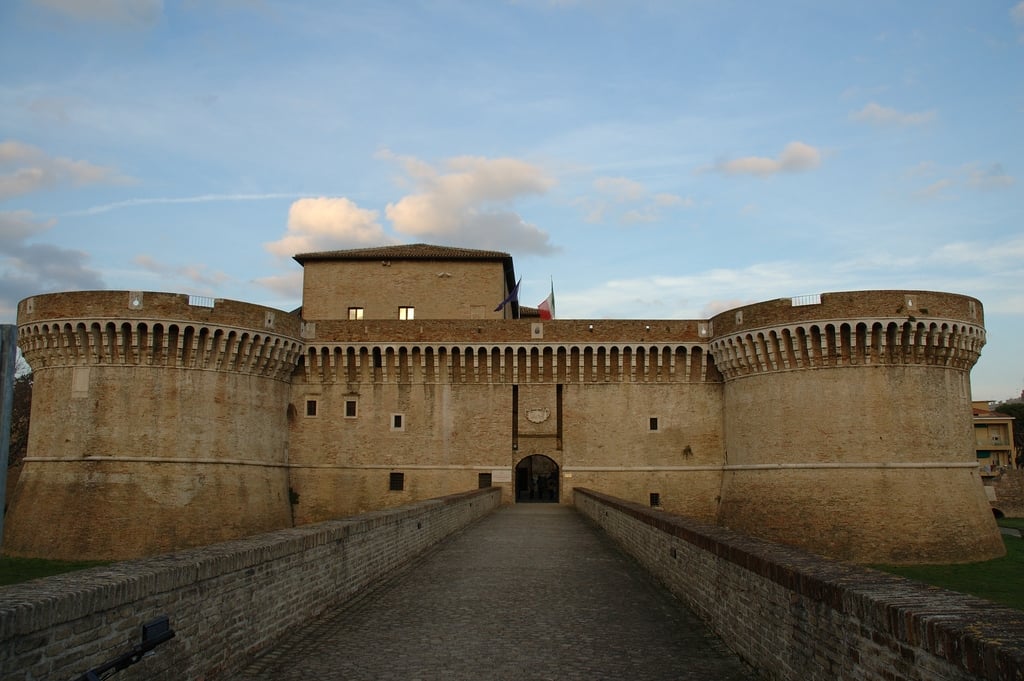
[[159, 423], [456, 289], [815, 453], [852, 305], [795, 615], [160, 418], [153, 307], [1009, 492], [225, 602]]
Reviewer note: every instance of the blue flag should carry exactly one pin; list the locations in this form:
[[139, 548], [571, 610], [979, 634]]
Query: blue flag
[[512, 296]]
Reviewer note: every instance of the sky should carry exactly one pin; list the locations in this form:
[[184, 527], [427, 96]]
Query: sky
[[647, 159]]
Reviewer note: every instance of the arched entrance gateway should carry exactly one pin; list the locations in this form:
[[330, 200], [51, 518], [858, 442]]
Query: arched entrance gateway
[[537, 480]]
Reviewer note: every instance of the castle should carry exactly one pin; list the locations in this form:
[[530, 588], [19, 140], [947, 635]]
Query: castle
[[840, 423]]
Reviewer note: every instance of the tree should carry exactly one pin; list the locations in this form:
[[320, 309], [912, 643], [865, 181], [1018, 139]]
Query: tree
[[21, 410]]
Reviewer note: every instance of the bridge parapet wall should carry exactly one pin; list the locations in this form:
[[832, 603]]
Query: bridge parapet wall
[[795, 615], [225, 602]]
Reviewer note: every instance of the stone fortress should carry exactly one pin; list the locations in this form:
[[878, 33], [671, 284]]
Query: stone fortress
[[840, 423]]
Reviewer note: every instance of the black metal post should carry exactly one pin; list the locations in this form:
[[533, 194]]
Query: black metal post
[[8, 352]]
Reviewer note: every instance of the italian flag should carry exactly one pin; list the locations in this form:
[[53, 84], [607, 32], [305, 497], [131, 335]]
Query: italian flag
[[547, 308]]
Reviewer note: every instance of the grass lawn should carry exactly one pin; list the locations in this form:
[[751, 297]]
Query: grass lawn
[[1015, 523], [14, 570], [1000, 580]]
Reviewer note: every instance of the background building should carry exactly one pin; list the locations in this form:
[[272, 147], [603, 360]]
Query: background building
[[993, 438]]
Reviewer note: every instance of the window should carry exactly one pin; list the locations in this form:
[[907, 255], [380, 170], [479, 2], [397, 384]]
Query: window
[[407, 313], [310, 407], [355, 313], [483, 480], [396, 482], [397, 422], [350, 409], [653, 423], [655, 499]]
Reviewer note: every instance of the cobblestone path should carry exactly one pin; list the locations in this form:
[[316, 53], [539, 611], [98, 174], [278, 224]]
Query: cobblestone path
[[529, 592]]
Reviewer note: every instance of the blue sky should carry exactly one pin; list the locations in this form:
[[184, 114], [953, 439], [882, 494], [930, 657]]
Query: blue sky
[[656, 159]]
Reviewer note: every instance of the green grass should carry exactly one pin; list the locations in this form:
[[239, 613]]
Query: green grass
[[1015, 523], [15, 570], [997, 580]]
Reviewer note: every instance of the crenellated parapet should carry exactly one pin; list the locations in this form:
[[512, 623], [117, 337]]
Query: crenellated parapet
[[157, 330], [513, 364], [849, 342], [508, 351], [819, 332]]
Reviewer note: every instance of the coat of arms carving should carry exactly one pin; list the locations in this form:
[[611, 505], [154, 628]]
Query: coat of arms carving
[[538, 415]]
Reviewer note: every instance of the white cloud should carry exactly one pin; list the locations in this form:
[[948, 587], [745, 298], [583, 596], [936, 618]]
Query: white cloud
[[203, 198], [976, 176], [693, 296], [287, 285], [1017, 12], [993, 176], [935, 190], [640, 216], [18, 225], [985, 254], [795, 157], [922, 169], [31, 170], [52, 108], [593, 211], [667, 200], [627, 201], [27, 268], [194, 274], [620, 188], [876, 114], [988, 269], [469, 202], [326, 224], [129, 13]]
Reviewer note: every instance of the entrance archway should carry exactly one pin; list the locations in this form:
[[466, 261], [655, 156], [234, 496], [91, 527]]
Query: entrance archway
[[537, 480]]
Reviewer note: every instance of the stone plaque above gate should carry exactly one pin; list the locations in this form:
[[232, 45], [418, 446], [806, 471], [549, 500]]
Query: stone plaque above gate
[[539, 415]]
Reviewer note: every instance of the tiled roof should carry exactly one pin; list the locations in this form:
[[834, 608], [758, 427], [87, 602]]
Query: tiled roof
[[528, 312], [986, 414], [405, 252]]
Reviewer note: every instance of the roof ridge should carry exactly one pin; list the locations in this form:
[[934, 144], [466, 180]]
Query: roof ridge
[[405, 251]]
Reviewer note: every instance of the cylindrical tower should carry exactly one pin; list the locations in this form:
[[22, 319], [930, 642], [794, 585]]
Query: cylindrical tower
[[848, 426], [159, 421]]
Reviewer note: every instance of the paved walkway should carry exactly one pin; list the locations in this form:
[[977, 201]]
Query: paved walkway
[[530, 592]]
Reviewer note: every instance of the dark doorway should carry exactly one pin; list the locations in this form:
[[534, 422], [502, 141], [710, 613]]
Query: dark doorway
[[537, 480]]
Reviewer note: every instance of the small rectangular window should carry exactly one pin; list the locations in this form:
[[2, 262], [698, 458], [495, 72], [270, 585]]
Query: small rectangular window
[[350, 409], [655, 499], [397, 422], [654, 423], [396, 482], [310, 407], [406, 313], [355, 313], [483, 480]]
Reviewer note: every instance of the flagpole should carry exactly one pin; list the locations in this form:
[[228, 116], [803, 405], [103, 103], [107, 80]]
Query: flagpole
[[552, 296]]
